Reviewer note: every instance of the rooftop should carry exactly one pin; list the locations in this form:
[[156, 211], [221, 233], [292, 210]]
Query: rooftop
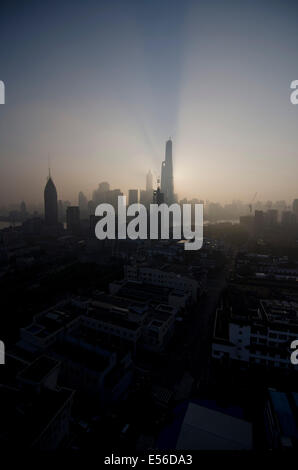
[[279, 311], [90, 359], [198, 427], [39, 369], [107, 315], [49, 322]]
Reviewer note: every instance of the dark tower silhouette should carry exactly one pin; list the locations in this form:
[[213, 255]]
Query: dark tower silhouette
[[167, 181], [50, 202]]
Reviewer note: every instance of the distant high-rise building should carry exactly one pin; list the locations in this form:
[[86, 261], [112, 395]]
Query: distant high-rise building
[[23, 208], [83, 203], [287, 218], [91, 207], [281, 205], [167, 181], [62, 207], [73, 218], [103, 187], [133, 196], [295, 208], [102, 193], [144, 197], [272, 216], [149, 181], [259, 221], [112, 197], [50, 203], [60, 210]]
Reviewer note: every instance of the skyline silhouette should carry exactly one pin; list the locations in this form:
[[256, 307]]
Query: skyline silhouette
[[104, 85], [149, 230]]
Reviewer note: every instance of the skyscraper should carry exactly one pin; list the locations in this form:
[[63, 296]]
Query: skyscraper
[[104, 187], [50, 203], [73, 218], [295, 208], [149, 181], [167, 181], [133, 196], [83, 204], [102, 193]]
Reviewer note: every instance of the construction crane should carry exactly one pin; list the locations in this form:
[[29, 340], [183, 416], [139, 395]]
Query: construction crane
[[250, 204]]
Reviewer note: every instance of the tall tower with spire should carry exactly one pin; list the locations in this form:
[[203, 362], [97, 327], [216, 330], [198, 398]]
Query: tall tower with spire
[[50, 202], [167, 179]]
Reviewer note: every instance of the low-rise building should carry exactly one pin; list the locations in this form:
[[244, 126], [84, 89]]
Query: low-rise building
[[258, 336], [136, 322], [176, 277]]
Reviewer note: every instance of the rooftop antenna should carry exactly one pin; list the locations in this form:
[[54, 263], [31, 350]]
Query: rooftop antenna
[[49, 166]]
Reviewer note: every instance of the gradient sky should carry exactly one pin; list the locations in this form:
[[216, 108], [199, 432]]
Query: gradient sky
[[100, 85]]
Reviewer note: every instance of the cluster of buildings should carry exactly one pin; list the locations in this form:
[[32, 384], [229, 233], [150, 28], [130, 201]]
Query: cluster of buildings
[[63, 221], [255, 333], [252, 340], [90, 350], [255, 327], [104, 194], [265, 267], [85, 349], [270, 218]]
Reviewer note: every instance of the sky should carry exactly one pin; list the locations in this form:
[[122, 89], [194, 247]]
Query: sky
[[97, 87]]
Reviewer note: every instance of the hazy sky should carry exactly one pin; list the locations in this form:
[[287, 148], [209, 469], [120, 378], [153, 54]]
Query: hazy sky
[[100, 85]]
